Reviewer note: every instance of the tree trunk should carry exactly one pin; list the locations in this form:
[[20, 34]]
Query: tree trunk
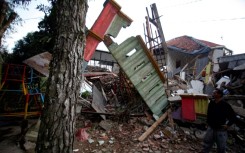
[[56, 133]]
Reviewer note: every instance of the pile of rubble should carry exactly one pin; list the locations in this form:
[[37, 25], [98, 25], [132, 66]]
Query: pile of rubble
[[111, 95], [113, 136], [121, 122]]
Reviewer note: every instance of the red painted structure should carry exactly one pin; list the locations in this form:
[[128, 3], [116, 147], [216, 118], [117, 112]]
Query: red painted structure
[[110, 21]]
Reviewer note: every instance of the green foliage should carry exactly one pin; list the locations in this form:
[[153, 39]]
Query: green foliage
[[36, 42], [9, 17], [43, 84], [85, 94], [5, 56], [31, 45]]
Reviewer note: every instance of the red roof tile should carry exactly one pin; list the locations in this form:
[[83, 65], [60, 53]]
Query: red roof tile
[[209, 44], [189, 44]]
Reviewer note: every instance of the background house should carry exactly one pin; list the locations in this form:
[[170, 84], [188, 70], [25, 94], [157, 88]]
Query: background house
[[192, 55]]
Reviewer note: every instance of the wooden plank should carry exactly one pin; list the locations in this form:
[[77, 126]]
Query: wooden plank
[[110, 21], [142, 70], [152, 128]]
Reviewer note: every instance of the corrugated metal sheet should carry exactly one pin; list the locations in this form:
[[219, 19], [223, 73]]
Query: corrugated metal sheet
[[98, 102], [40, 62], [200, 64], [142, 70], [240, 67], [236, 57], [230, 62], [100, 55]]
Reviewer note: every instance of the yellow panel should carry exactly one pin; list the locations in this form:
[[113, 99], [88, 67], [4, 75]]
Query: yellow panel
[[201, 105]]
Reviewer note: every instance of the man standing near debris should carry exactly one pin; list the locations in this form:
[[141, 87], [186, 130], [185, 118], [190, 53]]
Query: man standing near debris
[[220, 116]]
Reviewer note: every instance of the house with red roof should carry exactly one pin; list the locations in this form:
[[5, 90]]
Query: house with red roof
[[192, 55]]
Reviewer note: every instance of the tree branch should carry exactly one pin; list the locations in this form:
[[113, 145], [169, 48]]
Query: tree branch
[[3, 8], [5, 25]]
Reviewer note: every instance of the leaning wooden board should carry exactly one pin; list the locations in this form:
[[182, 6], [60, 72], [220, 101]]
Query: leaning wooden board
[[137, 62]]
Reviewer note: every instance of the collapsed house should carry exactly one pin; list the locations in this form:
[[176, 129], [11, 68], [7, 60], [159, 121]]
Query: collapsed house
[[191, 55], [231, 78], [233, 67]]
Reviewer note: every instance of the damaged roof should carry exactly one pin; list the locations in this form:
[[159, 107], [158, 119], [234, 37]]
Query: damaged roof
[[40, 62], [190, 45], [230, 62]]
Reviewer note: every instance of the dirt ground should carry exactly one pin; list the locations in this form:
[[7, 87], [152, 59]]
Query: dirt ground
[[116, 137], [113, 136]]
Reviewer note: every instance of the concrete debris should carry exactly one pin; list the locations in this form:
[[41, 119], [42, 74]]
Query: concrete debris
[[90, 140], [75, 150], [157, 136], [197, 87], [32, 133], [101, 142], [106, 124], [175, 98]]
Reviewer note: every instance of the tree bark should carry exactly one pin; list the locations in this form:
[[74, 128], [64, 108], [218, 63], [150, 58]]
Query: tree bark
[[56, 133]]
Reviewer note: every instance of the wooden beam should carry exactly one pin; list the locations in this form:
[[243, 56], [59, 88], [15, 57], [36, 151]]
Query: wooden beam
[[152, 128]]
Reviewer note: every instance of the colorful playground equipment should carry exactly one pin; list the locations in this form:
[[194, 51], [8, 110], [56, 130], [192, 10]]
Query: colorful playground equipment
[[19, 91]]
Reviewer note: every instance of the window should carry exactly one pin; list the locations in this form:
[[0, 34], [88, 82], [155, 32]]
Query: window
[[178, 63]]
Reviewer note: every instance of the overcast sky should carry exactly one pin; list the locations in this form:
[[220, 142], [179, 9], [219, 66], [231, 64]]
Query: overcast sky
[[218, 21]]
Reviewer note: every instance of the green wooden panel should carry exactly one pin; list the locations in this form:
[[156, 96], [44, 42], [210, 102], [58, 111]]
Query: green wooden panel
[[118, 22], [155, 90], [155, 93], [134, 59], [123, 49], [148, 83], [158, 105], [139, 74], [142, 72]]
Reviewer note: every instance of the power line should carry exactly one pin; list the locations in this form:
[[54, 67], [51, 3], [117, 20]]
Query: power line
[[182, 4], [211, 20], [223, 19], [32, 18]]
